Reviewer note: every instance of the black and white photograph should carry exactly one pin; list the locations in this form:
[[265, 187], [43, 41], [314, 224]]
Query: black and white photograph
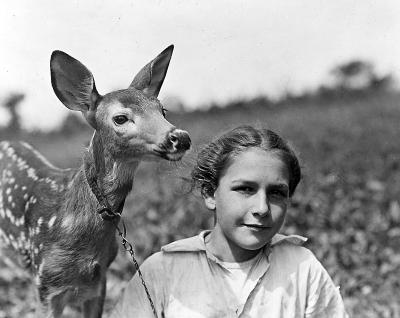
[[200, 159]]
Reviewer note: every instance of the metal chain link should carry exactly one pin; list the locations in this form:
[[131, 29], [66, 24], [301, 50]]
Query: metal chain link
[[129, 248]]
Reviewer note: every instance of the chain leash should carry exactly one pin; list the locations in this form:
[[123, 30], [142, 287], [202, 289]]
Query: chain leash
[[107, 214], [129, 248]]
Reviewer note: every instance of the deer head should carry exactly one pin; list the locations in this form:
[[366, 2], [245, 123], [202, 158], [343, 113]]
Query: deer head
[[130, 122]]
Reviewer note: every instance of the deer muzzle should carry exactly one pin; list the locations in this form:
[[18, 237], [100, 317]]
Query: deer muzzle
[[176, 143], [179, 140]]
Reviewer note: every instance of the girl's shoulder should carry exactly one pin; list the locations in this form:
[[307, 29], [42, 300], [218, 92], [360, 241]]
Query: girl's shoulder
[[177, 251], [290, 246], [290, 254], [191, 244], [293, 239]]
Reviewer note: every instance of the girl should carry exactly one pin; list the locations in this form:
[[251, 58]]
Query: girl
[[242, 267]]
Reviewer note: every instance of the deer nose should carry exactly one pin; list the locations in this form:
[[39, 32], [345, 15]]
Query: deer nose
[[180, 139]]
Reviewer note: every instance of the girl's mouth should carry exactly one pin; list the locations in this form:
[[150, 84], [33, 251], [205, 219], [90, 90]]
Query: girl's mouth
[[257, 226]]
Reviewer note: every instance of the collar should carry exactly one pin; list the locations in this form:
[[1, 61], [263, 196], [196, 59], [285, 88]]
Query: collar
[[196, 243], [104, 210]]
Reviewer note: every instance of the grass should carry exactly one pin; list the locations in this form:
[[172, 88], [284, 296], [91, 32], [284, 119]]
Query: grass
[[347, 203]]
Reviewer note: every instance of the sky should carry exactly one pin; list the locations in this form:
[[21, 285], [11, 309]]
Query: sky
[[224, 49]]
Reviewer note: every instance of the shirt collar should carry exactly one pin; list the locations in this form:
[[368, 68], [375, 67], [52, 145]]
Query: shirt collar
[[196, 243]]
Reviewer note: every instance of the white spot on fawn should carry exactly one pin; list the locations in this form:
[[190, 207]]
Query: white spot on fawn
[[4, 237], [67, 222], [32, 200], [32, 174], [51, 221], [10, 216], [23, 237], [39, 273], [37, 278], [14, 244], [20, 244], [9, 151], [41, 266], [1, 200]]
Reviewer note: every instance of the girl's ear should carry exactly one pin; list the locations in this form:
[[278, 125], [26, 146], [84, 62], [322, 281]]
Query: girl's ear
[[210, 202]]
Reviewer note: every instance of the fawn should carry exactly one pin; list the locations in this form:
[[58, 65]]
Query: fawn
[[48, 215]]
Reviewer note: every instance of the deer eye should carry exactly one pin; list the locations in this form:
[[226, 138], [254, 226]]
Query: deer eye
[[120, 119], [164, 111]]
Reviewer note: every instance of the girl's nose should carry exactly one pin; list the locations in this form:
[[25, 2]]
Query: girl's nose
[[261, 206]]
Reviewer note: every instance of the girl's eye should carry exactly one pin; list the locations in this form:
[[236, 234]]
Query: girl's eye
[[244, 189], [120, 119], [278, 193]]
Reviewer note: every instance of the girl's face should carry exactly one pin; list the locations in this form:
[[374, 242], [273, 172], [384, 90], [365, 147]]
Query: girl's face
[[250, 205]]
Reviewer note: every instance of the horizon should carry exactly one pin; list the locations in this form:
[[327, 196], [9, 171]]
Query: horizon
[[257, 49]]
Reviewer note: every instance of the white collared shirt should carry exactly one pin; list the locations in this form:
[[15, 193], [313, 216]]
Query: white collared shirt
[[185, 280], [242, 277]]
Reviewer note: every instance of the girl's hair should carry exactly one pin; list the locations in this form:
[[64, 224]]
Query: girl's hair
[[216, 157]]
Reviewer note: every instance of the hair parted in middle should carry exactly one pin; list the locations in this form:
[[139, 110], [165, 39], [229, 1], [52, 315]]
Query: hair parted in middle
[[216, 157]]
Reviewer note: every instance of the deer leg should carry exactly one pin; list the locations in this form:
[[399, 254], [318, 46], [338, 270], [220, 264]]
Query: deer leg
[[48, 311], [93, 308], [51, 306], [42, 307]]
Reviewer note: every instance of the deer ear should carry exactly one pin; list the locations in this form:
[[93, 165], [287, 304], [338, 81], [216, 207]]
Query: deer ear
[[151, 77], [73, 84]]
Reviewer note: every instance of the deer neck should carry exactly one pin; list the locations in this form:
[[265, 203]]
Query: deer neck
[[113, 178]]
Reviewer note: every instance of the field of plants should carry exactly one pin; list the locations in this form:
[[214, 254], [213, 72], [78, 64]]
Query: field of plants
[[347, 203]]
